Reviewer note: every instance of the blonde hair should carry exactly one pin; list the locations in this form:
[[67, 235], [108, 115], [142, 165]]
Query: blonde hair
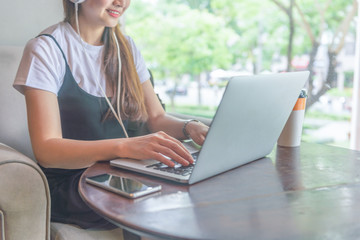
[[131, 93]]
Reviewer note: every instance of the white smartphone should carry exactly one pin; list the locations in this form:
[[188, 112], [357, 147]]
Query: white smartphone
[[127, 187]]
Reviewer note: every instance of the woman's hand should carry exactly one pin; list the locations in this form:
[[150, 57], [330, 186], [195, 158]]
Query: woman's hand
[[197, 131], [158, 146]]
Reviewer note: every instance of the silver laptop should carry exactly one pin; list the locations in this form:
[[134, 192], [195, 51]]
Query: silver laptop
[[246, 126]]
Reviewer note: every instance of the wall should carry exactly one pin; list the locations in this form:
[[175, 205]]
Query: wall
[[21, 20]]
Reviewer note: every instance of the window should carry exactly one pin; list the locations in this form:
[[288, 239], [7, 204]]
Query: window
[[193, 46]]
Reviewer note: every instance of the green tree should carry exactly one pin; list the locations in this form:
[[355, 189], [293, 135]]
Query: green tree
[[258, 28], [289, 13], [177, 40], [300, 31], [192, 36], [330, 18]]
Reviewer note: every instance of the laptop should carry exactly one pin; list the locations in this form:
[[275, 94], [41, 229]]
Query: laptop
[[246, 126]]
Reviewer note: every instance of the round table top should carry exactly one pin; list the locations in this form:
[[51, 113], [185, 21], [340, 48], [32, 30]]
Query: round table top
[[284, 196]]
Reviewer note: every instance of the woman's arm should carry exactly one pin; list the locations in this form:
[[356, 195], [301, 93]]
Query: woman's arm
[[50, 149], [53, 151], [160, 121]]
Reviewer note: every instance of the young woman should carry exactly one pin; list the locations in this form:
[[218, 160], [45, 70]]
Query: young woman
[[65, 74]]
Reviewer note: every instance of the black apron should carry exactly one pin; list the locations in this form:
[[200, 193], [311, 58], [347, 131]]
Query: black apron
[[81, 119]]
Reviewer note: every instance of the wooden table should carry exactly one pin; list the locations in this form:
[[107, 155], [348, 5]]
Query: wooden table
[[309, 192]]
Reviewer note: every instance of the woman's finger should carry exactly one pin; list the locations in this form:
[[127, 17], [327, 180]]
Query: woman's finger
[[174, 149], [168, 152], [161, 158]]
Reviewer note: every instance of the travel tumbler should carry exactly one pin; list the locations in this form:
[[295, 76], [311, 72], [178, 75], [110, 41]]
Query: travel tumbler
[[292, 131]]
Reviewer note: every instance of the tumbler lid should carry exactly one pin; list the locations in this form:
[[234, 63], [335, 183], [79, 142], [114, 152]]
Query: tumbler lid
[[303, 93]]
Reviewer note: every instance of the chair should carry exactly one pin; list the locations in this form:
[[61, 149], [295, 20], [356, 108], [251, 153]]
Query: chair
[[24, 191]]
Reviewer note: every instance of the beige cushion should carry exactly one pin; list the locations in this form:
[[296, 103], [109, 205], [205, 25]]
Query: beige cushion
[[24, 197], [61, 231]]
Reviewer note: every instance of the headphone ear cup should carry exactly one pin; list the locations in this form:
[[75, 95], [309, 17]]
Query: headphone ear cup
[[77, 1]]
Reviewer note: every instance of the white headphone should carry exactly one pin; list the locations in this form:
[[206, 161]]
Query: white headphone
[[117, 115]]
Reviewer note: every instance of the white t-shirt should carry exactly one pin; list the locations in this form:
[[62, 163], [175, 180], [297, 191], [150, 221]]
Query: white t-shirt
[[43, 67]]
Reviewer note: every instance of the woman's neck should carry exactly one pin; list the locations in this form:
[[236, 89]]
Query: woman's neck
[[89, 34]]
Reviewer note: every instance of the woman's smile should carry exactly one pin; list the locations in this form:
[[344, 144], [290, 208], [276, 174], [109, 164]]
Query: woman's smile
[[113, 13]]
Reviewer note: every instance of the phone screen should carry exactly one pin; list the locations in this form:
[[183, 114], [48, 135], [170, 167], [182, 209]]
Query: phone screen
[[125, 186]]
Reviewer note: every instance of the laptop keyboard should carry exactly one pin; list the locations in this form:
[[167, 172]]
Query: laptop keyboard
[[178, 169]]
